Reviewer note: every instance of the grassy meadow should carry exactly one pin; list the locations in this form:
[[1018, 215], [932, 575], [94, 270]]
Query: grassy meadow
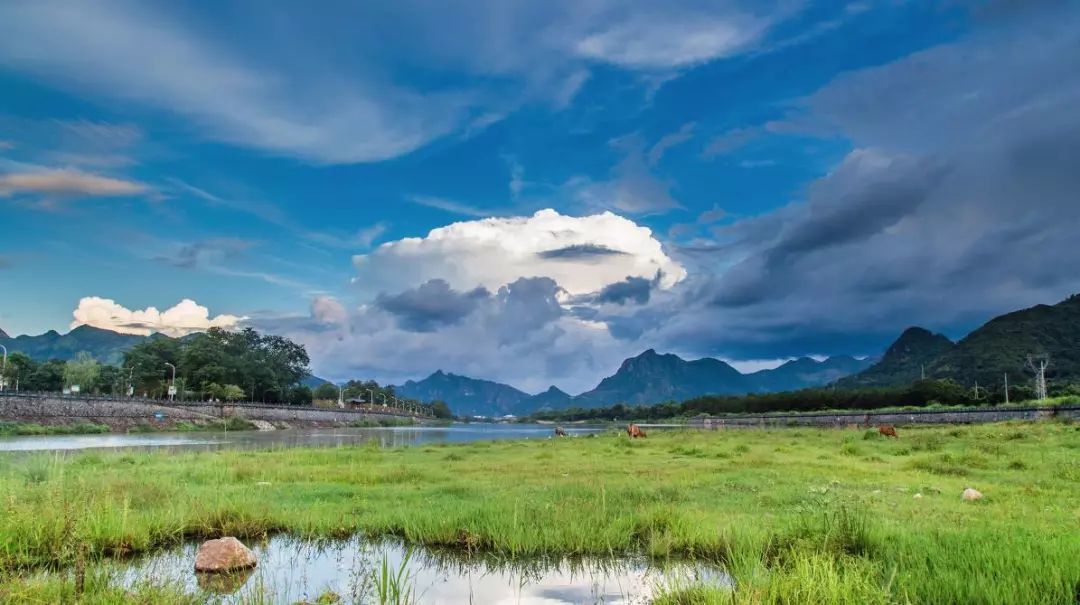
[[795, 515]]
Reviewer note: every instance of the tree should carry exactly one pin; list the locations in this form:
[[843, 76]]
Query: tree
[[231, 392], [111, 380], [300, 395], [19, 371], [439, 409], [82, 372], [148, 359], [48, 376], [325, 391]]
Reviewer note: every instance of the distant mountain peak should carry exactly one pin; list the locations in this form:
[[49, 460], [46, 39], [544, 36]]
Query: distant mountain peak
[[3, 334]]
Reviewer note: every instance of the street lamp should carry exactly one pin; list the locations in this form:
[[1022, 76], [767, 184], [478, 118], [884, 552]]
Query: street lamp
[[172, 386], [129, 391]]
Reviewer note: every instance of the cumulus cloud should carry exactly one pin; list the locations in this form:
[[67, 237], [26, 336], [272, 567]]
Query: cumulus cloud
[[328, 310], [184, 318], [581, 254], [67, 183], [519, 334]]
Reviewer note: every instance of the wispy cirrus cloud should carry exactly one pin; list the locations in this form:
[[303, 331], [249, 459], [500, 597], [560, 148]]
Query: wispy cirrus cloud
[[68, 183]]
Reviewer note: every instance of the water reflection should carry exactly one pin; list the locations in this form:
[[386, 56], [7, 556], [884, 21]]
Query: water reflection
[[291, 570], [327, 437]]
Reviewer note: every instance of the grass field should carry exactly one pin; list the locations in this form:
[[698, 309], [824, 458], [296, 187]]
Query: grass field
[[796, 515]]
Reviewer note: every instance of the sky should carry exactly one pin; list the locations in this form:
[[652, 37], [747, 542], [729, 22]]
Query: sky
[[531, 192]]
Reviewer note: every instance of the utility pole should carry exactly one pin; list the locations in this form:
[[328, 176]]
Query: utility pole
[[340, 396], [172, 385], [1006, 388], [1038, 365], [371, 397], [3, 371], [922, 371]]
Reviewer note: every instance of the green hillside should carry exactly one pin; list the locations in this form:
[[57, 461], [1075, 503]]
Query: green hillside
[[1003, 344]]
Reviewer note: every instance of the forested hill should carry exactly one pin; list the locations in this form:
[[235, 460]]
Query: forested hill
[[903, 362], [1001, 346]]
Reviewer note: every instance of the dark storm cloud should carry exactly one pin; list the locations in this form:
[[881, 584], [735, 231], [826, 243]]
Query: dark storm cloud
[[580, 252], [959, 202], [431, 305], [632, 289]]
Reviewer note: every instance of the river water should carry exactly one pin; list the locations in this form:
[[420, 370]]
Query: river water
[[292, 570], [329, 437]]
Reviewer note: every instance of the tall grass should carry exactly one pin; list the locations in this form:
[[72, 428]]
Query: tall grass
[[393, 586]]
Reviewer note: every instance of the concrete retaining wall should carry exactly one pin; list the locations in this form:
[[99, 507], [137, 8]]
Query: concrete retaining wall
[[55, 409], [962, 416]]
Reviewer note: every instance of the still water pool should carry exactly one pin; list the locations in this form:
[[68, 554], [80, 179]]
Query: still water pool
[[292, 570]]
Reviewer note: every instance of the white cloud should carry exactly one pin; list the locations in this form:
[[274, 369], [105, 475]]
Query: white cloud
[[184, 318], [582, 254], [68, 183], [673, 40], [126, 51]]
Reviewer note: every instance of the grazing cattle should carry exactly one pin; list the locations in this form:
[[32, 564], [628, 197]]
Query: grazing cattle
[[559, 432], [634, 431], [888, 430]]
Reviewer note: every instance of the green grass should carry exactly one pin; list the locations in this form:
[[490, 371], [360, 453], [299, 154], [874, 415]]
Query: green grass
[[11, 429], [805, 515]]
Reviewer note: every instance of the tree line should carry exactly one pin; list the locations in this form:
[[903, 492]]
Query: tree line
[[921, 393], [371, 392], [217, 365]]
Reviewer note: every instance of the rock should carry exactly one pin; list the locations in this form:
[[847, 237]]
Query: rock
[[917, 496], [972, 494], [224, 555]]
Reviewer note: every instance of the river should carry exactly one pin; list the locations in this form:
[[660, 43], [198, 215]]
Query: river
[[327, 437]]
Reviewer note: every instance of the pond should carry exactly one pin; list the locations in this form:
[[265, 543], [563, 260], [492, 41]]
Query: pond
[[325, 437], [292, 570]]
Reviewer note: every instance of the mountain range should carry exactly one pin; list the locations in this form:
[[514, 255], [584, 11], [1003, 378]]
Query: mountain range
[[104, 345], [999, 347], [650, 377]]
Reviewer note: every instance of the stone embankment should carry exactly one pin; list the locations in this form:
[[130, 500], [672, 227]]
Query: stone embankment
[[120, 414]]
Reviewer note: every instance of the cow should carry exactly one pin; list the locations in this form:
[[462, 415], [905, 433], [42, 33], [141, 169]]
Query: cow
[[634, 431], [888, 430], [560, 432]]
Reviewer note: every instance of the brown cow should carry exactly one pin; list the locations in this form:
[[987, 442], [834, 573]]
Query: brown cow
[[888, 430], [634, 431], [559, 432]]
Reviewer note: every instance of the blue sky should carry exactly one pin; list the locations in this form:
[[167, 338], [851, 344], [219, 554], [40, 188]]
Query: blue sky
[[812, 176]]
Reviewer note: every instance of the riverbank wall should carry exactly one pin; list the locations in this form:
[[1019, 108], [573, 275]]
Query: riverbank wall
[[896, 418], [121, 414]]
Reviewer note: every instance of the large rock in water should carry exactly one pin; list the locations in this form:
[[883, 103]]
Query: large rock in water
[[224, 555]]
